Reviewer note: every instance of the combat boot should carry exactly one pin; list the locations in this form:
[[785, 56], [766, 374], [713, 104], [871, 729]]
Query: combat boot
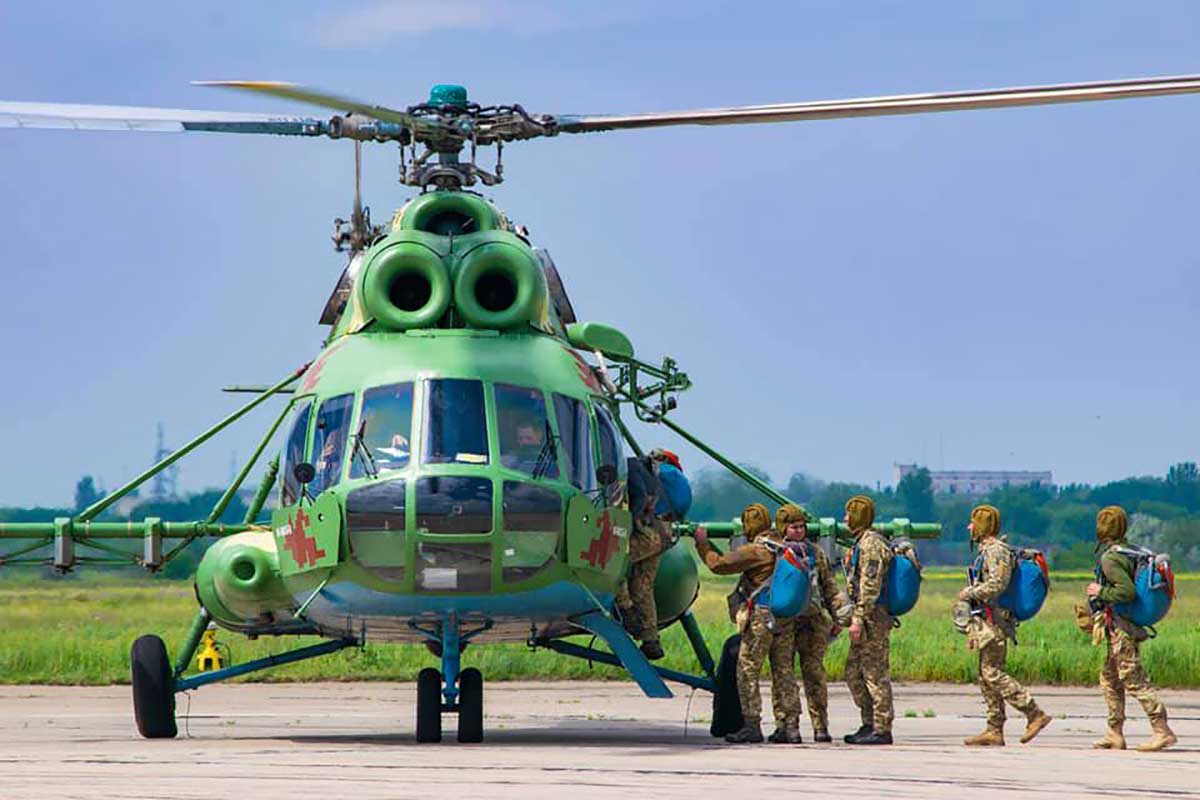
[[874, 737], [653, 651], [1114, 739], [822, 737], [750, 733], [1035, 726], [989, 738], [785, 736], [863, 730], [1163, 736]]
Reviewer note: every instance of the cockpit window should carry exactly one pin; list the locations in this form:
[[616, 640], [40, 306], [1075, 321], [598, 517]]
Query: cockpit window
[[294, 453], [610, 442], [329, 441], [385, 426], [526, 441], [455, 423], [575, 431]]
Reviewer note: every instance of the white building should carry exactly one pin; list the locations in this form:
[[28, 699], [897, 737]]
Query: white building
[[977, 481]]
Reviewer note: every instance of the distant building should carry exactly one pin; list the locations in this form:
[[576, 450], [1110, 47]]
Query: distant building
[[977, 481]]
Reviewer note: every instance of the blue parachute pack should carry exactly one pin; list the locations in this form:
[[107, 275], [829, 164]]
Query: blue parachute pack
[[902, 584], [1027, 586], [789, 591], [676, 496], [1154, 582]]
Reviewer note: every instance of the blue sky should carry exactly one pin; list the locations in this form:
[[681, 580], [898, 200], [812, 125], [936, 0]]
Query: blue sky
[[994, 289]]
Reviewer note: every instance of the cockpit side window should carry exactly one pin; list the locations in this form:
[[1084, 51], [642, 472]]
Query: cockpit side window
[[329, 441], [385, 425], [611, 454], [455, 423], [294, 453], [575, 431], [526, 441]]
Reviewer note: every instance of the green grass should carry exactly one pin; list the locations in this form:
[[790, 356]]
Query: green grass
[[78, 632]]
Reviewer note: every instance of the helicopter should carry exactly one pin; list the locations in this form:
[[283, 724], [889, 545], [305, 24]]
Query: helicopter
[[453, 468]]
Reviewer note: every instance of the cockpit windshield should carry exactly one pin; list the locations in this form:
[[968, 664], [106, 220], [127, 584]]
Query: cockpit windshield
[[329, 442], [455, 423], [385, 427], [526, 441], [575, 430]]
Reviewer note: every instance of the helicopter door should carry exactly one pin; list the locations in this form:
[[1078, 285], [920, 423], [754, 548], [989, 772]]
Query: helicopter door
[[597, 538]]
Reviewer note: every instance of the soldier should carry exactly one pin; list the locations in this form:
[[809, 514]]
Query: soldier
[[815, 627], [762, 634], [867, 666], [990, 629], [651, 537], [1123, 671]]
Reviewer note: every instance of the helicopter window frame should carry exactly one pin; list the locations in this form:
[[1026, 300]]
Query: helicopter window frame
[[357, 468], [289, 487], [427, 424], [580, 475], [328, 476], [505, 448]]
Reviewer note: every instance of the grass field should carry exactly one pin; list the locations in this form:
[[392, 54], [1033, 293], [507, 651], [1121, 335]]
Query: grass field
[[79, 632]]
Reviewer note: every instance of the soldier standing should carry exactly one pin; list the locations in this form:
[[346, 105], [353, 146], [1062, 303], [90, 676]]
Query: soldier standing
[[1123, 671], [990, 629], [814, 628], [762, 634], [867, 669]]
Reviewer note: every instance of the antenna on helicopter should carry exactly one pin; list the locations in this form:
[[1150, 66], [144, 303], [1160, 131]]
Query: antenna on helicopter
[[358, 233]]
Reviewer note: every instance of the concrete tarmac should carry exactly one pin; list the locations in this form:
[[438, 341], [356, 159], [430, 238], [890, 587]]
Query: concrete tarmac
[[554, 740]]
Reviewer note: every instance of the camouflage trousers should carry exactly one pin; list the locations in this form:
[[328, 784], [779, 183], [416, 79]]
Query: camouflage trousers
[[812, 639], [868, 674], [996, 685], [758, 642], [635, 597], [1123, 672]]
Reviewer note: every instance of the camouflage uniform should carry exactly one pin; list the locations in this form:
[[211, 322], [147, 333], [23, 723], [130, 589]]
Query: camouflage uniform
[[867, 667], [990, 631], [1123, 672], [812, 639], [762, 635], [635, 598]]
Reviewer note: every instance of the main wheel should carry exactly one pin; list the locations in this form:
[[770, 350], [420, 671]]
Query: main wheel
[[429, 705], [470, 706], [153, 688], [727, 706]]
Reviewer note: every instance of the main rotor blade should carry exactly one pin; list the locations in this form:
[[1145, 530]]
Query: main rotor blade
[[136, 118], [316, 97], [893, 104]]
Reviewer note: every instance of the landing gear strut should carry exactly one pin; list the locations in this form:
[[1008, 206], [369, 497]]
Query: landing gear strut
[[449, 691]]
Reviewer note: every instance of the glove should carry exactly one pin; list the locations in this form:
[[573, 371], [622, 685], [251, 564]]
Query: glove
[[1083, 618]]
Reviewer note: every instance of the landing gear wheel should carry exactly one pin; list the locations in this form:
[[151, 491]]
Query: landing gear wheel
[[470, 706], [727, 708], [429, 705], [153, 688]]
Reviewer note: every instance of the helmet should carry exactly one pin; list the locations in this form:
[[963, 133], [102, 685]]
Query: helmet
[[755, 519], [985, 522], [861, 511]]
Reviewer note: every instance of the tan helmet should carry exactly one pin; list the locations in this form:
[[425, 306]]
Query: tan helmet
[[755, 519], [787, 514], [861, 511], [1111, 524], [985, 520]]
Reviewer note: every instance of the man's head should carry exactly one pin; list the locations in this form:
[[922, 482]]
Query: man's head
[[860, 513], [985, 523], [1111, 524], [530, 435], [755, 519], [791, 521]]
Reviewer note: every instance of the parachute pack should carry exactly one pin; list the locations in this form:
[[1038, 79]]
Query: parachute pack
[[789, 591], [676, 496], [902, 584], [1154, 582], [1027, 586]]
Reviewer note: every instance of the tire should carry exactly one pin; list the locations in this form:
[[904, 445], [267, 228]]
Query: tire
[[470, 706], [727, 706], [153, 688], [429, 705]]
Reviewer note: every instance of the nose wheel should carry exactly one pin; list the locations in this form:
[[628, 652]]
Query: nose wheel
[[467, 702]]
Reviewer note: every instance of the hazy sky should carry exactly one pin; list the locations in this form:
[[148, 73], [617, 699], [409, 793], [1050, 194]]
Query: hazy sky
[[991, 289]]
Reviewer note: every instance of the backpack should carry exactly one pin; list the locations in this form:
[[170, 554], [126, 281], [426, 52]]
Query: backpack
[[1154, 582], [902, 584], [676, 495], [789, 590], [1027, 586]]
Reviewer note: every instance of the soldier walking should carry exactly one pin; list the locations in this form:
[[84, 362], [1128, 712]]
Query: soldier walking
[[815, 626], [1123, 671], [867, 668], [763, 635], [989, 630]]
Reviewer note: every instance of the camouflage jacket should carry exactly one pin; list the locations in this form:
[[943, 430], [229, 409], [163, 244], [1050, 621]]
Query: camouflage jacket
[[995, 569], [754, 561], [871, 568], [1115, 571], [825, 591]]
